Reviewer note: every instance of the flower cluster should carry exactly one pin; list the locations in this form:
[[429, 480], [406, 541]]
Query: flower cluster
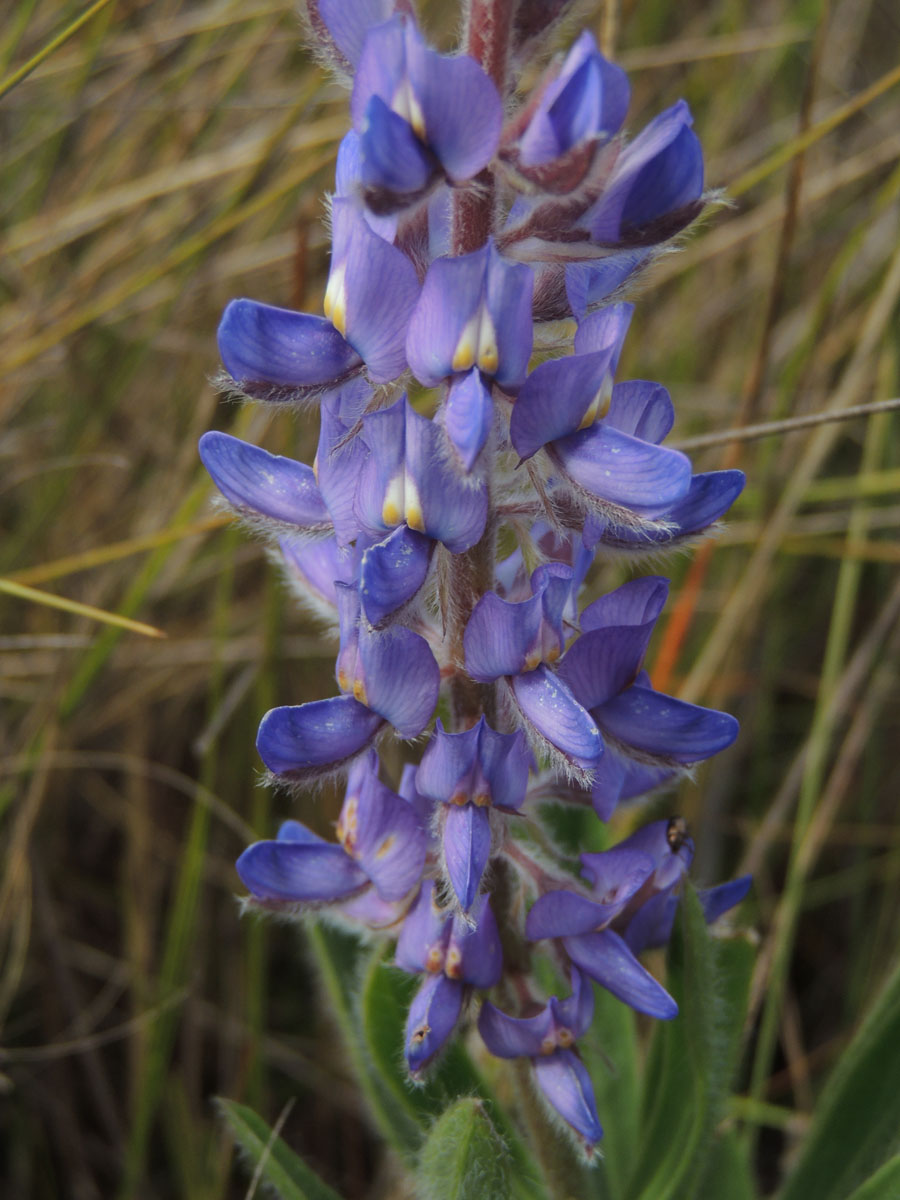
[[472, 231]]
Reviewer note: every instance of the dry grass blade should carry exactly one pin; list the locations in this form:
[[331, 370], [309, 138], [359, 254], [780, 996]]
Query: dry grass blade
[[80, 610]]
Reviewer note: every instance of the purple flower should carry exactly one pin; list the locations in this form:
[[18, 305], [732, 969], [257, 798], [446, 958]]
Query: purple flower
[[474, 312], [560, 134], [634, 896], [518, 642], [457, 955], [583, 925], [468, 773], [277, 354], [422, 117], [388, 677], [381, 843], [393, 533], [602, 441], [656, 186], [708, 498], [471, 325], [409, 479], [340, 26], [588, 284], [267, 486], [641, 726], [548, 1039]]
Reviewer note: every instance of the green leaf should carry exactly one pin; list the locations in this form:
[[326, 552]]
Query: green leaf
[[610, 1053], [692, 1058], [464, 1157], [728, 1172], [281, 1169], [883, 1185], [339, 955], [857, 1123]]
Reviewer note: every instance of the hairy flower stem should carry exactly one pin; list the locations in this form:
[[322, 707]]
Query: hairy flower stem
[[471, 575], [487, 40]]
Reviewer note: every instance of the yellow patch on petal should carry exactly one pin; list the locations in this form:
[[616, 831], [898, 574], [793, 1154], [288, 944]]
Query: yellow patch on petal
[[599, 406], [434, 960], [488, 354], [386, 846], [348, 824], [335, 303], [534, 659], [416, 116], [453, 965], [405, 104], [467, 347], [415, 518], [392, 509], [359, 691]]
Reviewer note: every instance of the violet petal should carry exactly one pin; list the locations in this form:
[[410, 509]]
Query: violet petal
[[605, 957], [261, 344], [296, 871], [554, 712], [432, 1018], [564, 1080], [269, 485], [467, 845], [665, 727], [302, 741]]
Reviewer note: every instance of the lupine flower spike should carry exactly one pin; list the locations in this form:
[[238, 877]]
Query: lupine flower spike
[[466, 217]]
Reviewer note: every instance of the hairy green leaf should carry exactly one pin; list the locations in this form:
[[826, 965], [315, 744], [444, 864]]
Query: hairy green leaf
[[464, 1157], [692, 1058]]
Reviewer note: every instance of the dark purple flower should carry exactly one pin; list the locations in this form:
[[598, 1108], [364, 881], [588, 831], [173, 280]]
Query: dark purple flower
[[422, 117], [277, 354], [409, 479], [262, 485], [635, 891], [588, 99], [474, 311], [518, 642], [468, 773], [648, 919], [456, 955], [602, 440], [387, 677], [708, 498], [584, 926], [656, 185], [548, 1039], [638, 724], [381, 842]]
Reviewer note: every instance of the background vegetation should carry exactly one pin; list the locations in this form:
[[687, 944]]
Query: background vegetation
[[166, 156]]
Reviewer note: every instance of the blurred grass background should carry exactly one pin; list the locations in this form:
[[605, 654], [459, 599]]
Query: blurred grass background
[[168, 156]]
